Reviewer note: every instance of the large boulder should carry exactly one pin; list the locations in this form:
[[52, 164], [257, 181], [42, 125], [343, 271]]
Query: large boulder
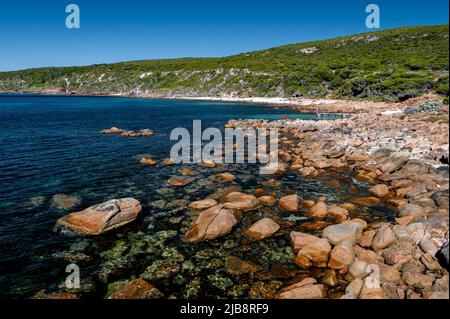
[[398, 253], [383, 238], [103, 217], [393, 163], [300, 240], [314, 254], [263, 228], [210, 224], [412, 210], [342, 256], [349, 230]]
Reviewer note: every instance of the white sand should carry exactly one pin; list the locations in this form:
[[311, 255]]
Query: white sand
[[266, 100]]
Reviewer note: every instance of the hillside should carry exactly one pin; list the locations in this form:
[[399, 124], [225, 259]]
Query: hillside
[[388, 65]]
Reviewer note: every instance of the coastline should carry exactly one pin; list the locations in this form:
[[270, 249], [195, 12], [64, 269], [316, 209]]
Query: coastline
[[305, 105], [387, 162]]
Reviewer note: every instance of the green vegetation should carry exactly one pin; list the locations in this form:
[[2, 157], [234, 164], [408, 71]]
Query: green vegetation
[[388, 65]]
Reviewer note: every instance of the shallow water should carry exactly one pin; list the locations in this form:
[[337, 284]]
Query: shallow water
[[50, 145]]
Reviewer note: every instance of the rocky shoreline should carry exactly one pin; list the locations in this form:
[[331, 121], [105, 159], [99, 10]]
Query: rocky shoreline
[[401, 153], [406, 158]]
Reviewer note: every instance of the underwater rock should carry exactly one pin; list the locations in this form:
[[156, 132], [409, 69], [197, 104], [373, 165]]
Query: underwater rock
[[221, 193], [64, 202], [226, 177], [219, 282], [55, 295], [168, 161], [161, 269], [34, 202], [264, 290], [237, 267], [187, 171], [103, 217], [136, 289], [202, 204], [179, 181], [366, 201]]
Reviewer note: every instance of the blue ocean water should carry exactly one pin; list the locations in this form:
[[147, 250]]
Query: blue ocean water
[[50, 145]]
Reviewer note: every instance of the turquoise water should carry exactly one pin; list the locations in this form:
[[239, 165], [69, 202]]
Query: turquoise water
[[50, 145]]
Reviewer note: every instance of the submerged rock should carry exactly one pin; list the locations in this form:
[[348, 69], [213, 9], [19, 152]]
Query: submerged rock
[[179, 181], [103, 217], [136, 289], [226, 177], [236, 266], [65, 202], [203, 204]]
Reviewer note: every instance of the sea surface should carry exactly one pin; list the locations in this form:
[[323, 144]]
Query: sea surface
[[50, 145]]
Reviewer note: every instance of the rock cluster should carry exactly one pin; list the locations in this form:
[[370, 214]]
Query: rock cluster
[[127, 133]]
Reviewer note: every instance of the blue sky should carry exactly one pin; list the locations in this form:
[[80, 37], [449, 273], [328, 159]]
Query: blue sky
[[33, 33]]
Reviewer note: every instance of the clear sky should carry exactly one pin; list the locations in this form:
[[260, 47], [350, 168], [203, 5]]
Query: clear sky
[[33, 32]]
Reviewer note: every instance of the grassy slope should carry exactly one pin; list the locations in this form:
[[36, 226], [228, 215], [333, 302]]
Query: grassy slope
[[383, 65]]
